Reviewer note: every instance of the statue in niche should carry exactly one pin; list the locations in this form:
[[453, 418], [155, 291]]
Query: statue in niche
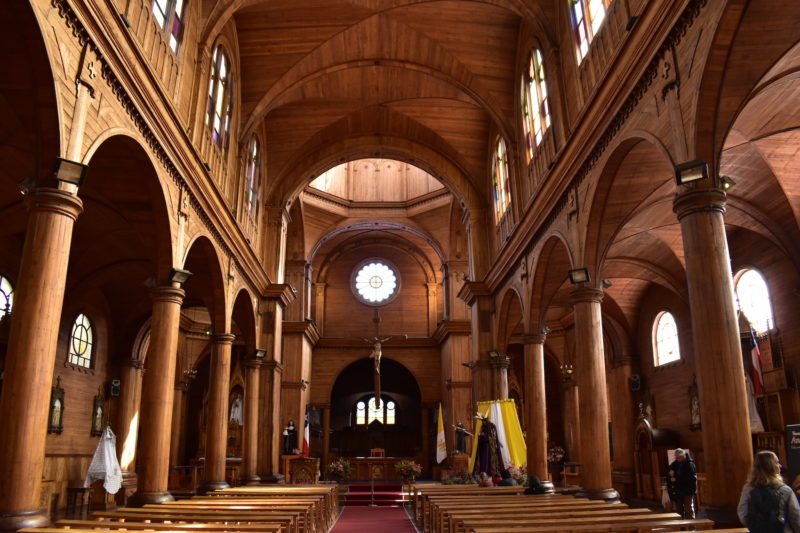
[[236, 411], [647, 409]]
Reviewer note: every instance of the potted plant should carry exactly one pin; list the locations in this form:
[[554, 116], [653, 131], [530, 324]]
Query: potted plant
[[340, 468], [408, 469], [457, 476]]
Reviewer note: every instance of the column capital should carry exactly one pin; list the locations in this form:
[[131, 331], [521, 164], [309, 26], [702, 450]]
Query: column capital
[[136, 364], [167, 294], [585, 295], [54, 200], [698, 201], [502, 362], [534, 338], [253, 364], [222, 338]]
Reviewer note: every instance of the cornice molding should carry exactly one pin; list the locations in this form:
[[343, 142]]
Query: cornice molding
[[472, 290], [282, 292], [452, 327], [307, 328]]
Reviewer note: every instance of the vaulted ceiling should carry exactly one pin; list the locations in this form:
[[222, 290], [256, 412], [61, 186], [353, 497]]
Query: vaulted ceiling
[[438, 75]]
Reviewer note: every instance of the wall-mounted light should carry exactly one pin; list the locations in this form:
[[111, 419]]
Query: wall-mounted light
[[179, 276], [579, 275], [726, 182], [70, 172], [691, 171], [494, 354], [606, 283], [190, 374], [566, 372], [260, 354], [470, 364]]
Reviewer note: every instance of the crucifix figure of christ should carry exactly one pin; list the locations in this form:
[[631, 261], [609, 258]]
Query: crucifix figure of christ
[[377, 351]]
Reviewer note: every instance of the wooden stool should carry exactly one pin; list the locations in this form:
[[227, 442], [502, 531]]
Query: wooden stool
[[78, 500]]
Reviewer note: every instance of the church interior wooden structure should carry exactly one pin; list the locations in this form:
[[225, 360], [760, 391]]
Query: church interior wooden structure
[[214, 212]]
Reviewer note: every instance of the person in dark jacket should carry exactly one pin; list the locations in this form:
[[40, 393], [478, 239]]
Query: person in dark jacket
[[682, 483]]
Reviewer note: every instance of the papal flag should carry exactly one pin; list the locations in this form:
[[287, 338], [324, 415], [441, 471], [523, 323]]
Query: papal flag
[[441, 447]]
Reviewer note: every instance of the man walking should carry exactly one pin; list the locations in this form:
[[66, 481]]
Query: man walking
[[682, 484]]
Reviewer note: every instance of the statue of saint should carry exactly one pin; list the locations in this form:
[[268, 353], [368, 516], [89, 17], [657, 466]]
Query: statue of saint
[[289, 438]]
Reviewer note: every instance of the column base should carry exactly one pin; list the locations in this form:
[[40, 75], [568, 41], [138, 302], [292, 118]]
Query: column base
[[18, 520], [722, 516], [140, 499], [273, 478], [211, 486], [250, 480], [607, 495]]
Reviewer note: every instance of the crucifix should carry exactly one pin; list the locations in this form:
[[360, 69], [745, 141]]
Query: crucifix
[[376, 354]]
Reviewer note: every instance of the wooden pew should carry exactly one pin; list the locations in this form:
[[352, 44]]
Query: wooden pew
[[70, 524], [311, 510], [288, 520], [645, 522], [329, 493]]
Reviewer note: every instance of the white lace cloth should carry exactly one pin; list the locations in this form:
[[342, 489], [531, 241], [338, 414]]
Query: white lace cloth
[[105, 464]]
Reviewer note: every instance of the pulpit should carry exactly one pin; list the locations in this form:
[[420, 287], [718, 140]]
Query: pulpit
[[285, 466], [303, 471]]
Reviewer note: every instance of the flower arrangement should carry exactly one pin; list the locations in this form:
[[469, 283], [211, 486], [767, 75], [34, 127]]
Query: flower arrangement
[[556, 454], [457, 476], [340, 468], [520, 475], [408, 468], [485, 481]]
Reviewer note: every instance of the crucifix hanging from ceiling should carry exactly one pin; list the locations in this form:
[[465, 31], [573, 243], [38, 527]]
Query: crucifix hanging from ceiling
[[377, 352]]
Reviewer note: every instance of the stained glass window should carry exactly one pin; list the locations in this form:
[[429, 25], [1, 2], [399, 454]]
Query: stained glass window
[[252, 176], [218, 111], [367, 411], [81, 342], [6, 296], [169, 16], [587, 17], [501, 188], [535, 103], [375, 282], [665, 339], [752, 296]]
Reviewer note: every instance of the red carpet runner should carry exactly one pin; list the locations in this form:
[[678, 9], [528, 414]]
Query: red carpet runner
[[383, 494], [373, 519]]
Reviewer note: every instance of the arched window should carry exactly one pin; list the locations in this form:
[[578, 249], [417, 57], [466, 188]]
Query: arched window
[[367, 411], [218, 113], [251, 175], [81, 342], [752, 296], [587, 16], [169, 15], [666, 348], [6, 296], [535, 102], [501, 188]]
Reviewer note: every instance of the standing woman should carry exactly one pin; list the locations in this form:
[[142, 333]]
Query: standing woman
[[767, 503]]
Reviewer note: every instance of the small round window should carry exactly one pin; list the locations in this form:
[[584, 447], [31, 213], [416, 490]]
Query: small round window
[[375, 282]]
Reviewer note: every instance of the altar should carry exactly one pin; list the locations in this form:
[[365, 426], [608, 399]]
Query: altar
[[375, 467]]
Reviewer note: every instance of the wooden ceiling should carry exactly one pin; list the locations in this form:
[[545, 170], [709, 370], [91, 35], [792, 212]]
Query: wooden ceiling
[[437, 74]]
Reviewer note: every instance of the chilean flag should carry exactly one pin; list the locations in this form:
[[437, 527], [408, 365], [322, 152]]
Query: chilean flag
[[305, 435], [755, 358]]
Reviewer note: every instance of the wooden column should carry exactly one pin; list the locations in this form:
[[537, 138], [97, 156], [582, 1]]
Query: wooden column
[[572, 421], [179, 406], [158, 387], [536, 406], [129, 416], [217, 423], [717, 349], [269, 430], [426, 438], [593, 399], [30, 359], [251, 395], [500, 365], [433, 306], [326, 435]]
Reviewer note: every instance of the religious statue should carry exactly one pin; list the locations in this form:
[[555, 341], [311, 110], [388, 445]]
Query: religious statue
[[289, 438], [461, 438], [236, 411], [376, 350]]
